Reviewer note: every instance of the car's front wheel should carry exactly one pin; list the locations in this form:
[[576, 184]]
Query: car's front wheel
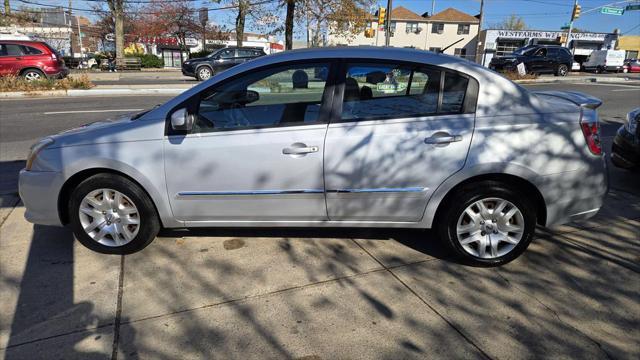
[[111, 214], [487, 224], [563, 70], [204, 73]]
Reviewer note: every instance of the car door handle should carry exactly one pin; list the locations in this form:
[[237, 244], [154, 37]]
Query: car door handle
[[299, 150], [442, 139]]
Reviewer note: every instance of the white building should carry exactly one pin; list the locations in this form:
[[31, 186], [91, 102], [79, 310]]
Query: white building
[[495, 42], [56, 36], [452, 30]]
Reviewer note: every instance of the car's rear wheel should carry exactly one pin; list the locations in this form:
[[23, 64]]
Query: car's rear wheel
[[33, 75], [204, 73], [487, 224], [563, 70], [111, 214]]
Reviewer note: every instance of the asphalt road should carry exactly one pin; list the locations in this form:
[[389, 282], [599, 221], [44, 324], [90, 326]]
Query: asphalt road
[[23, 121]]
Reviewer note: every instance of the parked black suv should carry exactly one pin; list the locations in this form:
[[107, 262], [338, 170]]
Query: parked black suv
[[537, 59], [205, 67]]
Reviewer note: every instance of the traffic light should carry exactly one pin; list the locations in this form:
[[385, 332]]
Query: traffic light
[[382, 14], [576, 12]]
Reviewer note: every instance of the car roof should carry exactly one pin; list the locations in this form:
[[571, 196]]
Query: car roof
[[22, 41]]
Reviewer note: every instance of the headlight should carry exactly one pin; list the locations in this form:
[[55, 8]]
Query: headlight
[[35, 150]]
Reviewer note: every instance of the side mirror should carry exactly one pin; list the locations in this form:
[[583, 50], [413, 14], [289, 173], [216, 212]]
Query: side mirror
[[182, 120]]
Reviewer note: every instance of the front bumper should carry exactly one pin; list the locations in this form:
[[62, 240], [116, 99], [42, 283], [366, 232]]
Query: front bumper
[[39, 192], [625, 151], [511, 66], [188, 70]]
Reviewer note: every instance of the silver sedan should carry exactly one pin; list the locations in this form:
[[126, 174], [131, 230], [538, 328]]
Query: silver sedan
[[339, 137]]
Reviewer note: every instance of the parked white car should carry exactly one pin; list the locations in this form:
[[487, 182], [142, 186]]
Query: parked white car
[[340, 137]]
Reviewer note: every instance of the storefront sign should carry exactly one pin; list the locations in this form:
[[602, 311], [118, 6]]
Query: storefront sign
[[533, 34]]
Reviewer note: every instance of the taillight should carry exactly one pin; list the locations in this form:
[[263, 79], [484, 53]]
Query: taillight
[[591, 132]]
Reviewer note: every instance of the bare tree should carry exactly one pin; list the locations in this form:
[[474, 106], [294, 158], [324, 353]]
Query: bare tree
[[340, 17], [513, 22], [117, 11]]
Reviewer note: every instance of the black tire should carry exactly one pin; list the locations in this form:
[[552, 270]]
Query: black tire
[[149, 224], [447, 220], [562, 70], [202, 71], [33, 74]]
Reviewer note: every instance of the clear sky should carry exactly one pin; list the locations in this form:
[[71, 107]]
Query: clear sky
[[537, 14]]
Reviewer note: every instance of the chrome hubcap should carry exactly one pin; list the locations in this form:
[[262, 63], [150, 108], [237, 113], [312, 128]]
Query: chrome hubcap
[[205, 73], [30, 76], [490, 228], [109, 217], [563, 70]]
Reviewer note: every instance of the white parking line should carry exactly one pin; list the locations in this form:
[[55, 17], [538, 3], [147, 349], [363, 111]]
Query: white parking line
[[90, 111], [636, 89]]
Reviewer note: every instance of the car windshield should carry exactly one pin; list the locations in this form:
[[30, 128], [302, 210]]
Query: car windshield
[[527, 50]]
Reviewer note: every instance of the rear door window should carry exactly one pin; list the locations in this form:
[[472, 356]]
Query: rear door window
[[245, 53], [377, 91], [386, 91], [11, 50]]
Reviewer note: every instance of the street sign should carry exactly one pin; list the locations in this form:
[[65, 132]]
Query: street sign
[[609, 10], [632, 7]]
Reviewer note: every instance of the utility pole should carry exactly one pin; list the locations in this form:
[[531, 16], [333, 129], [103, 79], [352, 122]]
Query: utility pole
[[387, 25], [478, 44], [433, 7], [70, 31], [79, 35], [573, 17]]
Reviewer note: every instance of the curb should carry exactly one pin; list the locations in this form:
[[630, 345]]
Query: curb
[[579, 79], [96, 92]]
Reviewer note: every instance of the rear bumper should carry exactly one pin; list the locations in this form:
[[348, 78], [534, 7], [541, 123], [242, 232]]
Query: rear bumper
[[575, 195], [60, 73], [39, 192]]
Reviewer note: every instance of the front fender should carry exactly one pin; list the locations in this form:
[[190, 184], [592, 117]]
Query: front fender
[[146, 167]]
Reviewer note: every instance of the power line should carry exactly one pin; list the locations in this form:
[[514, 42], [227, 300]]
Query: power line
[[219, 8]]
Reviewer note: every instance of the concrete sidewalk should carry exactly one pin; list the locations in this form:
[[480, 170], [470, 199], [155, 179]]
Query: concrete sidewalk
[[322, 294]]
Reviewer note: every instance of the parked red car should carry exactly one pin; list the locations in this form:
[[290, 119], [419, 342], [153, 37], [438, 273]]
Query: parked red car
[[631, 66], [32, 60]]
